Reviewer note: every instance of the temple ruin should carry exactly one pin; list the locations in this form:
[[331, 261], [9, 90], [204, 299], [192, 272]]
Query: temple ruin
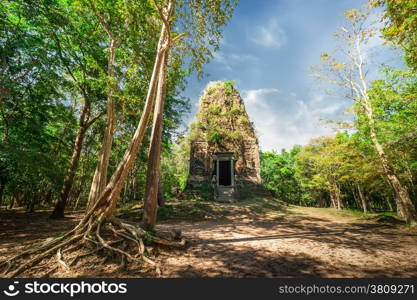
[[224, 149]]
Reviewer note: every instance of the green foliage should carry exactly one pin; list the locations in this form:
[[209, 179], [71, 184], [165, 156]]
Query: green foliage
[[203, 20], [373, 152], [307, 175], [236, 110], [185, 210], [203, 192], [278, 175], [36, 127], [56, 55], [229, 87], [174, 167], [147, 237], [215, 137], [401, 26], [213, 110]]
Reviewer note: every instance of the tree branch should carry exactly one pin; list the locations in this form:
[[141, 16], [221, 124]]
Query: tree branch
[[161, 13], [94, 119], [180, 36]]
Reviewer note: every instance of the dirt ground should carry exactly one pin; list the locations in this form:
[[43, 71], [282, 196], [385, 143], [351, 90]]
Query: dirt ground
[[238, 240]]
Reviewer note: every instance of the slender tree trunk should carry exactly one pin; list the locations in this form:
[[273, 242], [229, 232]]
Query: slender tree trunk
[[357, 200], [124, 193], [338, 197], [161, 197], [333, 199], [12, 200], [389, 204], [412, 185], [33, 201], [77, 198], [363, 200], [134, 187], [15, 202], [154, 161], [48, 196], [1, 193], [100, 174], [75, 159]]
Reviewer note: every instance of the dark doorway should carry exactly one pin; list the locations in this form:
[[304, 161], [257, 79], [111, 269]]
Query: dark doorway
[[225, 177]]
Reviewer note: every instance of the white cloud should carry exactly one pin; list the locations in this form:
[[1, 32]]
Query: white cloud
[[233, 59], [270, 35], [242, 57], [257, 97], [218, 56], [282, 121], [329, 109], [223, 42]]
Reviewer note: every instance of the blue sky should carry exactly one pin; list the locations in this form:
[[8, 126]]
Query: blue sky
[[267, 49]]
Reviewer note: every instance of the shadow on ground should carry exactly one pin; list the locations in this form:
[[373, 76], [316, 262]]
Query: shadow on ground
[[249, 239]]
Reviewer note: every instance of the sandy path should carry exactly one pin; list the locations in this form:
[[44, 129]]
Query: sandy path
[[304, 245]]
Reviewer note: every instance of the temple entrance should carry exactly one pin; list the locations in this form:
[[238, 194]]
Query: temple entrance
[[224, 169], [225, 174]]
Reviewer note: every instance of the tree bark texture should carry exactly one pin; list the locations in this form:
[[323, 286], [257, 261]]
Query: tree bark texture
[[75, 159]]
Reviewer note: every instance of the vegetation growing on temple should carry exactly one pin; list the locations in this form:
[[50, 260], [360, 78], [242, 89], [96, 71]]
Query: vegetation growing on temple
[[222, 119]]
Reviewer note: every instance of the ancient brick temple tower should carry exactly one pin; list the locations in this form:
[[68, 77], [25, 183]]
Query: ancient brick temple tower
[[224, 148]]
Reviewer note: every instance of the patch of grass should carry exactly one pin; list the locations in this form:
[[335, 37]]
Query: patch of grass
[[389, 219], [385, 217], [189, 210], [194, 209], [361, 213], [181, 211], [263, 205], [204, 192]]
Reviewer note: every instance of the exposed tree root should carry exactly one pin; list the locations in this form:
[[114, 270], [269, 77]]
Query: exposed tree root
[[60, 260], [112, 238]]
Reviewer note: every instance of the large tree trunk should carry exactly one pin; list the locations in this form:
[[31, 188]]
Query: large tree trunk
[[402, 197], [154, 161], [110, 195], [75, 159], [100, 174], [335, 196]]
